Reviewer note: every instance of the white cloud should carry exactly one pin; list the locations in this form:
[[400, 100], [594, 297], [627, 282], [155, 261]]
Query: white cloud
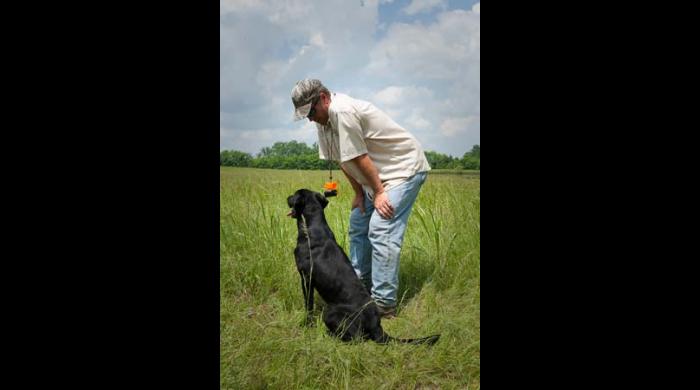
[[397, 96], [451, 127], [416, 121], [433, 77], [317, 40], [418, 6], [406, 105], [476, 8], [275, 10], [425, 76], [388, 96], [226, 6], [442, 50], [265, 47]]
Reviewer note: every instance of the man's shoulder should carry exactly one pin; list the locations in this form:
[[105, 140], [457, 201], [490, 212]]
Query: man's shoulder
[[342, 103]]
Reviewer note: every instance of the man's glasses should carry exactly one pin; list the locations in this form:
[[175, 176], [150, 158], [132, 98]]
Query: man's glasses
[[312, 111]]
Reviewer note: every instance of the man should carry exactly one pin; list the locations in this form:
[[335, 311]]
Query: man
[[386, 167]]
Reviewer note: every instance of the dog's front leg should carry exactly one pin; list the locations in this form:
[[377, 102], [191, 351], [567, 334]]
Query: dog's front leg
[[308, 293]]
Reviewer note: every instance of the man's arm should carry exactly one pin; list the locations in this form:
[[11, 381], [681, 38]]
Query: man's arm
[[359, 200], [381, 200], [355, 185]]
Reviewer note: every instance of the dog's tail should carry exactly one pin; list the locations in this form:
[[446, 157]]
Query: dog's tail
[[430, 340], [384, 338]]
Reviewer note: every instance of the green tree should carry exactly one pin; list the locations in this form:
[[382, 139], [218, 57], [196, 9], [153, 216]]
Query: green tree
[[472, 159], [234, 158], [298, 155], [439, 160]]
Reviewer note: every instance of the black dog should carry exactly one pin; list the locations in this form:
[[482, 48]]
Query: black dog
[[350, 311]]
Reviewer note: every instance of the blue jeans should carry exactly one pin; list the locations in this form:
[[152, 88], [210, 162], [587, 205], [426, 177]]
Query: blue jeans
[[375, 242]]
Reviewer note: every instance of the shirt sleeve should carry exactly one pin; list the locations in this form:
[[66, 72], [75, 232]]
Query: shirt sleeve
[[350, 134]]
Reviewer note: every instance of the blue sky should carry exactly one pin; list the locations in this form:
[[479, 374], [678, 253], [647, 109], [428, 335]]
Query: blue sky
[[417, 60]]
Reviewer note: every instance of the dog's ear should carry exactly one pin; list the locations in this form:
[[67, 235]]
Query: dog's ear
[[321, 199]]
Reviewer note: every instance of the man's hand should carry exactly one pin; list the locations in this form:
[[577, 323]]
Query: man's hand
[[359, 201], [383, 206], [381, 200]]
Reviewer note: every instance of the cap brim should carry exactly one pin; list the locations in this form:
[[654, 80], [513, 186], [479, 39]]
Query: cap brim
[[302, 112]]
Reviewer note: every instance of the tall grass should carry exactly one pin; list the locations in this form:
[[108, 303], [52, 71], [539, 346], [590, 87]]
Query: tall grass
[[262, 342]]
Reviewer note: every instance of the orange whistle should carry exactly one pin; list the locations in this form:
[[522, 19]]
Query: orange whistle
[[330, 189]]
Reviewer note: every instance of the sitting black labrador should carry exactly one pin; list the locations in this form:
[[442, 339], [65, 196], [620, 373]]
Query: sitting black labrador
[[350, 312]]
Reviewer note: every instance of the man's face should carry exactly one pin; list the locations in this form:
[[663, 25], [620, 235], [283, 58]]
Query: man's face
[[319, 111]]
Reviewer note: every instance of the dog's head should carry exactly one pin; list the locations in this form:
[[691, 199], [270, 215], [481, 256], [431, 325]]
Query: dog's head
[[305, 200]]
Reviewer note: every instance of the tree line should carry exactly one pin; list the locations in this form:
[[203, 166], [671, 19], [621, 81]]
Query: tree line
[[298, 155]]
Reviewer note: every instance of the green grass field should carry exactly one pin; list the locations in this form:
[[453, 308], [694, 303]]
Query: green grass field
[[262, 342]]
